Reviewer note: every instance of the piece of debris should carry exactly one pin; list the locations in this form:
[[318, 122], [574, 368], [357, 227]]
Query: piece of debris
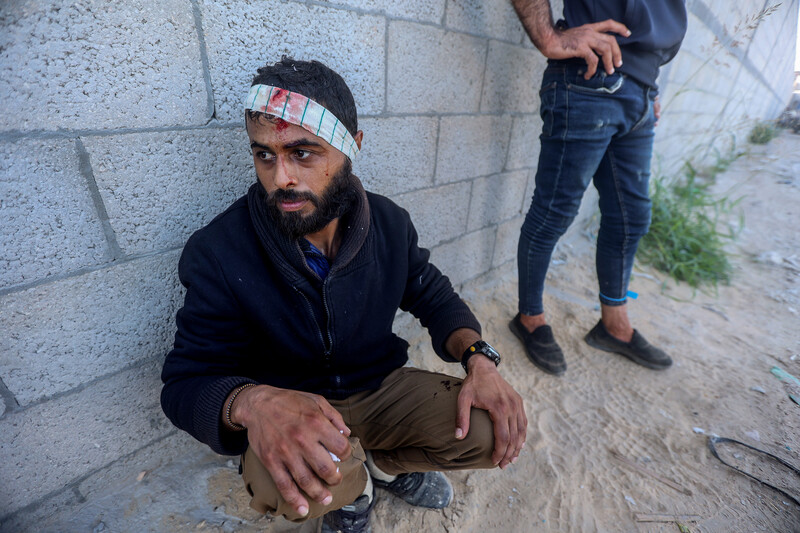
[[624, 460], [753, 435], [141, 475], [629, 499], [699, 431], [758, 389], [645, 517]]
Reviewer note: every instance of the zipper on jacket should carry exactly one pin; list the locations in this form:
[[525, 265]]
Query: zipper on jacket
[[329, 348], [314, 318]]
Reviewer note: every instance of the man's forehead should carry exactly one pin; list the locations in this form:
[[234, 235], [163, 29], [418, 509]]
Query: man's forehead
[[273, 132]]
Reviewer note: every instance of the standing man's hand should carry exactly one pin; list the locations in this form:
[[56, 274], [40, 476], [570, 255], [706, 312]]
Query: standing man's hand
[[291, 433], [657, 110], [588, 41]]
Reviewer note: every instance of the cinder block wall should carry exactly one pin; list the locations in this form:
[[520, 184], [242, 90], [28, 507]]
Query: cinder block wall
[[122, 134]]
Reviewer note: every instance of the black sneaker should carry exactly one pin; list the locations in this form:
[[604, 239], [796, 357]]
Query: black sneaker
[[422, 489], [638, 350], [540, 347], [353, 518]]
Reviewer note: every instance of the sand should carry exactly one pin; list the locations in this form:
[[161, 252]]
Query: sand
[[611, 446]]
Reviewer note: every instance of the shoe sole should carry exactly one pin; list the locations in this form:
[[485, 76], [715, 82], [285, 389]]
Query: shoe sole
[[513, 327], [590, 340]]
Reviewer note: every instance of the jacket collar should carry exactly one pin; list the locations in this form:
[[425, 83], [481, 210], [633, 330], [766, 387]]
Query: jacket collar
[[285, 252]]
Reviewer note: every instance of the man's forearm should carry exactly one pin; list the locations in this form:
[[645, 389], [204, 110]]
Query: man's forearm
[[537, 18]]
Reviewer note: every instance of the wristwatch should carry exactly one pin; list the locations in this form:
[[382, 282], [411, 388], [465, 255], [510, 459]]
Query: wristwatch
[[481, 347]]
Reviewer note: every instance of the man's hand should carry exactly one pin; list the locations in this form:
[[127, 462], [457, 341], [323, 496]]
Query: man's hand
[[588, 41], [484, 388], [291, 433], [657, 110]]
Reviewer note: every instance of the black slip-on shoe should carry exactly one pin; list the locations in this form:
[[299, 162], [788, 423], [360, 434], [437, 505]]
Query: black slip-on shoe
[[422, 489], [540, 347], [638, 350]]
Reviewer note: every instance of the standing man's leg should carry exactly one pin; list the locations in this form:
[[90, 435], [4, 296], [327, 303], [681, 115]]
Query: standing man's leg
[[622, 181], [579, 119]]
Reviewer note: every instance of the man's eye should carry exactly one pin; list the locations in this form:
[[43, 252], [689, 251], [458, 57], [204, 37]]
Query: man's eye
[[264, 156], [302, 154]]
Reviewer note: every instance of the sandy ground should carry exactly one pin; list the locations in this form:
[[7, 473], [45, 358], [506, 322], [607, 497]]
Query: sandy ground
[[611, 446]]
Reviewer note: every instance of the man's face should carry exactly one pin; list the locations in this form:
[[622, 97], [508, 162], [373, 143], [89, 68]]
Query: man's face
[[308, 182]]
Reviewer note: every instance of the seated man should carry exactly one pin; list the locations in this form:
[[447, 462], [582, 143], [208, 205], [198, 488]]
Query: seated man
[[285, 352]]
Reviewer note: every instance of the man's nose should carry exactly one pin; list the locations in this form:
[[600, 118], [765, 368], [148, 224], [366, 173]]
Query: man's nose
[[284, 175]]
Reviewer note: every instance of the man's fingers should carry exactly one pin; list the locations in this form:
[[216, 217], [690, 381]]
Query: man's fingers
[[335, 417], [288, 489], [462, 416], [591, 64], [310, 483], [611, 26], [500, 442]]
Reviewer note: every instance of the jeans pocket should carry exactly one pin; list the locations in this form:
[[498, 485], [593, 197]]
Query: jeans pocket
[[547, 97], [599, 84]]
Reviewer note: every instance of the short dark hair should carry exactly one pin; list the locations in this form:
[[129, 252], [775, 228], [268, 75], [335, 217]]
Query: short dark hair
[[314, 80]]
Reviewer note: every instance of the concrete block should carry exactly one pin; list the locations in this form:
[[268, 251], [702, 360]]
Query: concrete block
[[495, 19], [346, 41], [420, 10], [169, 184], [49, 221], [505, 248], [524, 147], [107, 493], [513, 78], [433, 71], [497, 198], [66, 333], [100, 65], [439, 214], [398, 154], [472, 146], [52, 444], [466, 257]]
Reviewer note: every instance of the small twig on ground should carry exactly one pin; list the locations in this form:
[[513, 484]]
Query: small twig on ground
[[643, 470], [644, 517]]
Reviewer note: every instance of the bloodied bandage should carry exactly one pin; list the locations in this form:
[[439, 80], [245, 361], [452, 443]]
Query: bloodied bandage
[[301, 111]]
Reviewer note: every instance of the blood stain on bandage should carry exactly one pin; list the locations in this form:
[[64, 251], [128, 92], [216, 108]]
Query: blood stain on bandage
[[281, 124], [280, 94]]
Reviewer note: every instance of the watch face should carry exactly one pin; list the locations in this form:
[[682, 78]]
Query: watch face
[[490, 352]]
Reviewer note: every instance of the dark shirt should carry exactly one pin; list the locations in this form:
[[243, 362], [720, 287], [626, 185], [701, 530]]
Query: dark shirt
[[315, 258], [657, 29]]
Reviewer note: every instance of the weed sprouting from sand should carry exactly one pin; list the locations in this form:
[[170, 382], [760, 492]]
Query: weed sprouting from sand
[[688, 235], [763, 132]]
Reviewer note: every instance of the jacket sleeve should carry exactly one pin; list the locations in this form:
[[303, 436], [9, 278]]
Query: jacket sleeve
[[205, 364], [430, 297]]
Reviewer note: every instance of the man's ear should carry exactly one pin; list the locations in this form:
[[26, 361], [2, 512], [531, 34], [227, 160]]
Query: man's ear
[[358, 136]]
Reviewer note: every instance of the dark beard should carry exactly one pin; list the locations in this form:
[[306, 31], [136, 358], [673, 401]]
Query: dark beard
[[334, 202]]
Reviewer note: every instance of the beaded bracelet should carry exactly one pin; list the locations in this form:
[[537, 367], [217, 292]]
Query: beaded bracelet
[[228, 422]]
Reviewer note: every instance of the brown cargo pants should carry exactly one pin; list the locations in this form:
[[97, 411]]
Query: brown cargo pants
[[408, 424]]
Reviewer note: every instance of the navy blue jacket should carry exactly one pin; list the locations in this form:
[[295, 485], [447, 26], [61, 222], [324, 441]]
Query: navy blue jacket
[[657, 29], [254, 312]]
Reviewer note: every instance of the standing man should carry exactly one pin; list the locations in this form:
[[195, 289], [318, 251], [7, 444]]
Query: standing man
[[599, 108], [284, 351]]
